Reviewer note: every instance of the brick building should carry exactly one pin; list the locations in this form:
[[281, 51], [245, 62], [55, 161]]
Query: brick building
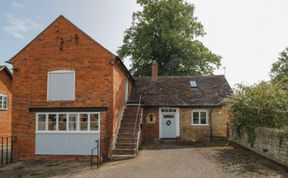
[[5, 101], [69, 91]]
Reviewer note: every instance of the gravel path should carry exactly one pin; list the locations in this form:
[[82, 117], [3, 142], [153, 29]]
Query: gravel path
[[160, 161], [181, 162]]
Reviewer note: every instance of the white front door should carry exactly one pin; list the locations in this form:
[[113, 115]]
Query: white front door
[[168, 125]]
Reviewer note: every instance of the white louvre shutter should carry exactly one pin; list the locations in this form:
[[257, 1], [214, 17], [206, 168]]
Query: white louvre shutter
[[61, 86]]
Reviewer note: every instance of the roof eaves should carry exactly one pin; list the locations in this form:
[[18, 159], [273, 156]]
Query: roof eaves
[[7, 70], [124, 68]]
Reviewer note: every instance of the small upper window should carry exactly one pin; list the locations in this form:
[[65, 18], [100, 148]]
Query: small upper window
[[61, 86], [3, 101], [193, 84]]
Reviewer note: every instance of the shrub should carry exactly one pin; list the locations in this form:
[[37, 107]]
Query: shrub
[[262, 105]]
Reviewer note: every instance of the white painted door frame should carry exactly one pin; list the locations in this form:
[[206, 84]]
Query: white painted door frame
[[126, 89], [177, 121]]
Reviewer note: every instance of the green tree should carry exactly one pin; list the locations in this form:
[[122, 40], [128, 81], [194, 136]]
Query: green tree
[[166, 31], [279, 71]]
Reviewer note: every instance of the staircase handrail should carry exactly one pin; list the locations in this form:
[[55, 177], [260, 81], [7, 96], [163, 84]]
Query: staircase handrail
[[137, 116]]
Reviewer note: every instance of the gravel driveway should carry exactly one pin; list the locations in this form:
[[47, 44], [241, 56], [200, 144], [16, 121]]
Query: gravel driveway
[[157, 161]]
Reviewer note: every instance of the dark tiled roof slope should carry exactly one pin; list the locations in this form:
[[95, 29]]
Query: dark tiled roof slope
[[176, 91]]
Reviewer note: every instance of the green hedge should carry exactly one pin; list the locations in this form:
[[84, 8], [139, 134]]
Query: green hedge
[[262, 105]]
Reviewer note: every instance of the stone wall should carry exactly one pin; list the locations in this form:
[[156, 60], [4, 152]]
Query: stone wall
[[188, 132], [268, 142]]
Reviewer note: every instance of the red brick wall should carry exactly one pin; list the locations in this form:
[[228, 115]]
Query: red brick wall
[[150, 130], [93, 69], [5, 115], [119, 87]]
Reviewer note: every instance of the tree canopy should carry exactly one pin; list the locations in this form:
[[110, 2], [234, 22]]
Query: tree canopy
[[167, 32], [279, 71]]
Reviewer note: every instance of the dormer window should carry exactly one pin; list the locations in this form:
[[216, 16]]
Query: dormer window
[[193, 84], [61, 85]]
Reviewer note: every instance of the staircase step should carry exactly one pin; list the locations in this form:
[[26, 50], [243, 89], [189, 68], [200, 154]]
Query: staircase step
[[127, 135], [125, 145], [131, 140], [121, 157], [128, 129], [128, 124], [124, 151]]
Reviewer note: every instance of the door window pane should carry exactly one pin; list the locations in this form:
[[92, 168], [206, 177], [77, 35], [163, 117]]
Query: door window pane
[[168, 116], [62, 121], [72, 121], [83, 121], [94, 122], [42, 122], [51, 121]]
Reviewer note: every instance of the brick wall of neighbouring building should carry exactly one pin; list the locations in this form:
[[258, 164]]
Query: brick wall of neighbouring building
[[62, 46], [270, 143], [5, 115]]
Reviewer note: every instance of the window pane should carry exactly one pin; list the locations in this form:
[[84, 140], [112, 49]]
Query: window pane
[[1, 102], [62, 121], [195, 117], [42, 122], [83, 121], [203, 117], [5, 102], [203, 121], [72, 121], [94, 122], [52, 122], [195, 121]]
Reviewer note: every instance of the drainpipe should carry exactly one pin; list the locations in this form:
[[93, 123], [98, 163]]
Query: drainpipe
[[210, 124]]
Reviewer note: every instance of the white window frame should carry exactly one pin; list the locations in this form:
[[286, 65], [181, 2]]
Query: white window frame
[[199, 111], [193, 84], [61, 72], [7, 101], [67, 123]]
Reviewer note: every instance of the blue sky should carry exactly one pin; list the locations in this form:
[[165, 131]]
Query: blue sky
[[248, 34]]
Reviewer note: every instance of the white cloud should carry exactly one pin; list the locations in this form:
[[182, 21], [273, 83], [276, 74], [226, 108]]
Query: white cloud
[[19, 27], [16, 5]]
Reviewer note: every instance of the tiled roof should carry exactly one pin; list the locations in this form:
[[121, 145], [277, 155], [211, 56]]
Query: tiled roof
[[176, 91]]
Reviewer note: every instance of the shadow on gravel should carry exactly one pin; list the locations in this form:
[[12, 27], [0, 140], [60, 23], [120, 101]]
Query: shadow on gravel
[[240, 161], [43, 169]]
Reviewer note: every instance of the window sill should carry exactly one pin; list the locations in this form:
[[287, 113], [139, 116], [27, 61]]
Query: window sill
[[200, 125], [61, 100]]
